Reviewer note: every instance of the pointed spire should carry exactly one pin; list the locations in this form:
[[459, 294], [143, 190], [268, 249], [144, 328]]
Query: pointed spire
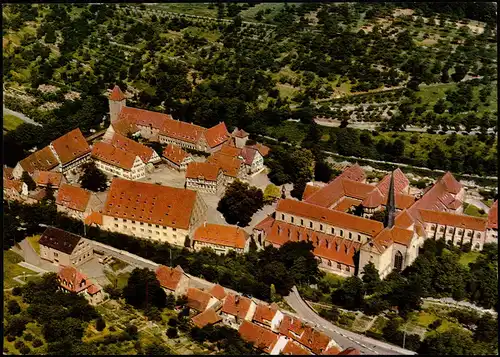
[[117, 94], [391, 204]]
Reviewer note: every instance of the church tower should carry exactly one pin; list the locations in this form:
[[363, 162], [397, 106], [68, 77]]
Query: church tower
[[117, 102], [391, 204]]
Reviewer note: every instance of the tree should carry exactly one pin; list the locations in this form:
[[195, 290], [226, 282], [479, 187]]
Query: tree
[[93, 179], [452, 342], [144, 290], [460, 72], [371, 278], [26, 178], [13, 307], [100, 324], [350, 294], [298, 189], [440, 106], [16, 326], [271, 193], [155, 349], [487, 329], [323, 171], [301, 165], [240, 202], [172, 332]]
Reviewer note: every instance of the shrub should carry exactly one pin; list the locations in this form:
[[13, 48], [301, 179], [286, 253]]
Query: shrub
[[112, 329], [17, 291], [11, 338], [131, 330], [13, 307], [28, 337], [19, 344], [435, 324], [100, 324], [172, 332], [25, 350], [37, 343], [173, 322]]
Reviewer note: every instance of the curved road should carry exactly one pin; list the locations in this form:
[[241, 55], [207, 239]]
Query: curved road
[[345, 338]]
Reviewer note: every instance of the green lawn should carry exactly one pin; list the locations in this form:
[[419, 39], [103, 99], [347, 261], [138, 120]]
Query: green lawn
[[11, 122], [186, 8], [431, 94], [286, 90], [11, 269], [472, 210], [33, 241], [292, 131], [118, 265], [121, 279], [379, 324], [249, 14], [466, 258]]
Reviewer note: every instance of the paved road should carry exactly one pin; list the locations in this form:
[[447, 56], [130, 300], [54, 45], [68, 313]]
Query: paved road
[[20, 116], [344, 338]]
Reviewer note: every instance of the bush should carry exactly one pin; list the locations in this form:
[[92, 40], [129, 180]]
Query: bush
[[100, 324], [173, 322], [37, 343], [131, 330], [172, 332], [19, 344], [112, 329], [28, 337], [435, 324], [13, 307], [25, 350], [11, 338], [17, 291]]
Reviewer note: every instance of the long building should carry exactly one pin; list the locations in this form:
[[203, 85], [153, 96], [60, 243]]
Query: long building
[[151, 211]]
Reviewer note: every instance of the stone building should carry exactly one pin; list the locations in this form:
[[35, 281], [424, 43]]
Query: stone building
[[117, 162], [64, 248], [220, 238]]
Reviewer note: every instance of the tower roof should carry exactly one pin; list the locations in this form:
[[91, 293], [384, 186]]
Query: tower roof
[[117, 94], [391, 204]]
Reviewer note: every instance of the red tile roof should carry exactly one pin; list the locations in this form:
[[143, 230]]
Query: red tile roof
[[71, 279], [228, 236], [198, 299], [452, 185], [168, 277], [174, 153], [113, 155], [240, 133], [43, 178], [116, 94], [356, 189], [248, 155], [309, 191], [294, 348], [347, 203], [354, 173], [7, 173], [236, 305], [73, 197], [138, 149], [454, 220], [376, 199], [294, 328], [392, 235], [150, 203], [263, 149], [401, 182], [93, 289], [13, 184], [403, 219], [217, 135], [207, 317], [43, 160], [94, 218], [124, 127], [218, 292], [229, 165], [493, 216], [325, 215], [264, 313], [265, 224], [260, 337], [204, 170], [227, 149], [71, 146]]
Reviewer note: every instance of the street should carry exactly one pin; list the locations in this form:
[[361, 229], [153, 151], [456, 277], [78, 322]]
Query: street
[[344, 338]]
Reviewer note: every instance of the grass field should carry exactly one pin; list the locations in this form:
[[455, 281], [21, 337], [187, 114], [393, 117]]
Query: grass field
[[11, 269], [118, 265], [33, 241], [187, 8], [472, 210], [249, 14], [466, 258], [120, 279], [11, 122]]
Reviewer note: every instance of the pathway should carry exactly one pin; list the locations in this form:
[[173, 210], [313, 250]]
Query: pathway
[[20, 116], [454, 303]]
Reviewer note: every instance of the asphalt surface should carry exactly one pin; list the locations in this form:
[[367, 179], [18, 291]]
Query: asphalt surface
[[345, 338]]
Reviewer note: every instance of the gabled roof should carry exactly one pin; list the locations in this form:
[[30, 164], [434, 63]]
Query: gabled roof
[[248, 155], [260, 337], [203, 170], [325, 215], [347, 203], [16, 185], [117, 94], [150, 203], [400, 182], [71, 146], [174, 153], [452, 185], [236, 305], [43, 178], [218, 292], [229, 165], [296, 329], [131, 146], [309, 191], [294, 348], [73, 197], [356, 189], [59, 240], [207, 317], [94, 218], [263, 149], [43, 160], [73, 279], [228, 236], [217, 135], [198, 299], [240, 133], [227, 149], [113, 156], [493, 216], [454, 220], [93, 289], [124, 127], [264, 313], [354, 173], [168, 277], [7, 173]]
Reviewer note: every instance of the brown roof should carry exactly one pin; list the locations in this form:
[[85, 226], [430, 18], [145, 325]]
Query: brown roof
[[493, 216], [229, 236], [263, 149], [198, 299], [174, 153], [7, 173], [217, 135], [236, 305], [248, 155], [168, 277], [294, 348], [309, 191], [400, 182], [204, 170], [93, 289], [13, 184], [124, 127], [43, 178], [124, 143], [150, 203], [325, 215], [207, 317], [354, 173], [59, 240], [94, 218], [229, 165], [240, 133], [315, 340], [264, 313], [43, 160], [71, 146], [454, 220], [117, 94], [73, 197], [218, 292], [347, 203], [260, 337], [350, 351], [113, 155], [73, 280], [230, 150], [452, 185]]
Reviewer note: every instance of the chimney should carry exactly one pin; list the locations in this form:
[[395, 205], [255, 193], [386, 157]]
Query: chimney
[[204, 223], [236, 299]]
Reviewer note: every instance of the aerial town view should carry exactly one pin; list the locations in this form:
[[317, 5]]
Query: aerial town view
[[255, 178]]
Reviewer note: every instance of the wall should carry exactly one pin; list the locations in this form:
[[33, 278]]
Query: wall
[[115, 107]]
